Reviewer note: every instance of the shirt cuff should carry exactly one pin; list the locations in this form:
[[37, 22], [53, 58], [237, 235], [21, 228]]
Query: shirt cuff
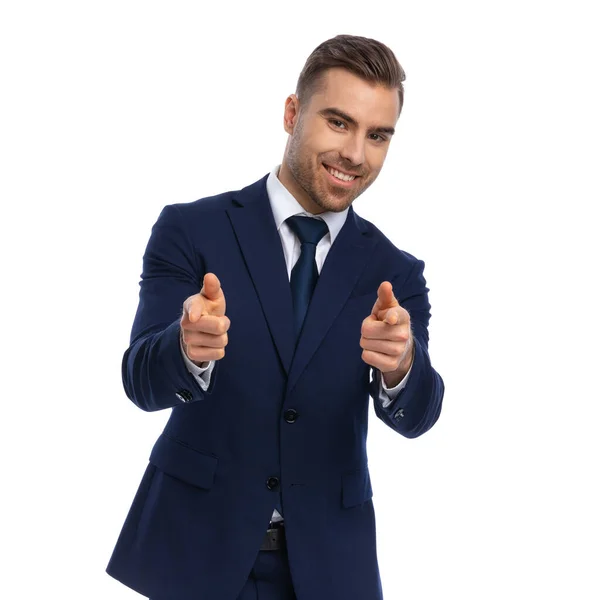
[[202, 374], [388, 395]]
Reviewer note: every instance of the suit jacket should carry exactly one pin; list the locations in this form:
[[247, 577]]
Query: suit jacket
[[203, 505]]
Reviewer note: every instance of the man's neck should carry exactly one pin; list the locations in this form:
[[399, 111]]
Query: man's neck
[[292, 186]]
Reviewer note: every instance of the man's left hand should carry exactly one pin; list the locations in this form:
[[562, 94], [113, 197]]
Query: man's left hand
[[386, 337]]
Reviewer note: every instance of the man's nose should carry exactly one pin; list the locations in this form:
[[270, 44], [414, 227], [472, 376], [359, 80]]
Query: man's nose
[[354, 150]]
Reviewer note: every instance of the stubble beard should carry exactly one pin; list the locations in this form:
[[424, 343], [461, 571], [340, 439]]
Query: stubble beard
[[303, 171]]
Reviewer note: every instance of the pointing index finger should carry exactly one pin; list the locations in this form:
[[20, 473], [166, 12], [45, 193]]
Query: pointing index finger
[[214, 324], [391, 317], [194, 307]]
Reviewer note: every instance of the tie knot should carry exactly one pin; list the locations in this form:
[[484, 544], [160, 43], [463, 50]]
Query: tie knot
[[308, 230]]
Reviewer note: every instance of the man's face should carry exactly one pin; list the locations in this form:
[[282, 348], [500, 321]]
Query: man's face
[[347, 125]]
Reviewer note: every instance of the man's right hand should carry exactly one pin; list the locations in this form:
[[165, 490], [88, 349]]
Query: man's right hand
[[203, 324]]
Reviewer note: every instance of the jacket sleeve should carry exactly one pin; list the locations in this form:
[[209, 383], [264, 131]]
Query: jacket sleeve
[[154, 372], [417, 407]]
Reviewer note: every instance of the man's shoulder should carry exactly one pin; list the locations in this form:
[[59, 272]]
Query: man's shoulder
[[218, 202], [221, 201], [385, 246]]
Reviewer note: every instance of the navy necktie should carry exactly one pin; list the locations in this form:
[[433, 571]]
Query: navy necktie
[[305, 274]]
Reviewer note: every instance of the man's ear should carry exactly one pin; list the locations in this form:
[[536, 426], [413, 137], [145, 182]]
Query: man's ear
[[290, 113]]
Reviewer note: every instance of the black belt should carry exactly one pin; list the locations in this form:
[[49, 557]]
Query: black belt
[[274, 537]]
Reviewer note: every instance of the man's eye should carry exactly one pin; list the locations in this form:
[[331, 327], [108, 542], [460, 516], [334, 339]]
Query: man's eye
[[377, 138], [338, 124]]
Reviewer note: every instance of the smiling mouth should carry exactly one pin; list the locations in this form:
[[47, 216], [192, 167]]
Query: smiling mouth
[[339, 176]]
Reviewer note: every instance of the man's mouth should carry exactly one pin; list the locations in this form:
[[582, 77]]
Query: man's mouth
[[339, 176]]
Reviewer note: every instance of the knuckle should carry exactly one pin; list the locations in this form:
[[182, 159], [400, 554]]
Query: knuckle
[[400, 336]]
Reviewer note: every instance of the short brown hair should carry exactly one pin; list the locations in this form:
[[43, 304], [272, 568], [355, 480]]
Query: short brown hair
[[369, 59]]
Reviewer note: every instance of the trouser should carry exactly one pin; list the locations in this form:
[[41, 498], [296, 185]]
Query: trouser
[[270, 577]]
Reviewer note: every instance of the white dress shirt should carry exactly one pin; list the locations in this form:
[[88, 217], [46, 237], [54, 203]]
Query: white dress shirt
[[284, 205]]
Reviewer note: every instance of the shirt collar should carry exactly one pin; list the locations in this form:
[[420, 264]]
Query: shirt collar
[[284, 205]]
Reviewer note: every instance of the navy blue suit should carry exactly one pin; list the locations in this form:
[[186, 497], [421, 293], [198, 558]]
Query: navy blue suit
[[201, 511]]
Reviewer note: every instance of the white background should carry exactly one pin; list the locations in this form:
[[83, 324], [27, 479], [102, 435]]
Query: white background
[[110, 110]]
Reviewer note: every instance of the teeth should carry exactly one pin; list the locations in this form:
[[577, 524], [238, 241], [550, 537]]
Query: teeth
[[341, 176]]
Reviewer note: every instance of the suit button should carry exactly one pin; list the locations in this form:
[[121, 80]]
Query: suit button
[[273, 483], [184, 395], [290, 415], [399, 413]]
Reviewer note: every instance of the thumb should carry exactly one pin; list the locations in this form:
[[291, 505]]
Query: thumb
[[385, 296], [213, 293], [385, 300], [211, 287]]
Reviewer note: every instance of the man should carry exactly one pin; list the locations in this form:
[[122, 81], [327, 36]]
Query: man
[[259, 487]]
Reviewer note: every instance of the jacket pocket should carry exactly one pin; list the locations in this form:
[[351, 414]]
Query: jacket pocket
[[183, 462], [356, 487]]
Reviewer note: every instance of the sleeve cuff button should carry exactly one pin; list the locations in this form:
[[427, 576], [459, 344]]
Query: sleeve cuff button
[[184, 395]]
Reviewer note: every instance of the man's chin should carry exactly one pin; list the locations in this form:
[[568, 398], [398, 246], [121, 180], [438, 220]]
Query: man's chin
[[340, 201], [331, 201], [336, 205]]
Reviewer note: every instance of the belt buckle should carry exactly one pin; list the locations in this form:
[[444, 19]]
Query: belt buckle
[[274, 537]]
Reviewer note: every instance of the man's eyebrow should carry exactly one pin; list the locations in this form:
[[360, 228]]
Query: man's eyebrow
[[336, 112]]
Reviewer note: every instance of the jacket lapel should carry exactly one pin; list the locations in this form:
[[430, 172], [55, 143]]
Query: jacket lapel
[[252, 220], [254, 225], [345, 261]]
